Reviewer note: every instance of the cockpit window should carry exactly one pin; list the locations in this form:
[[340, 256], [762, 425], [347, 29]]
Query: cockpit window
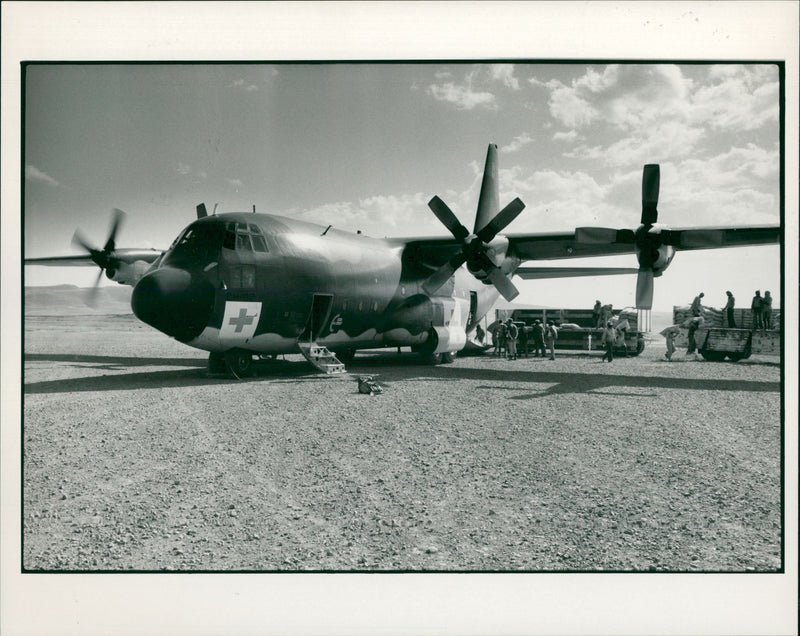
[[243, 242], [244, 237], [198, 245]]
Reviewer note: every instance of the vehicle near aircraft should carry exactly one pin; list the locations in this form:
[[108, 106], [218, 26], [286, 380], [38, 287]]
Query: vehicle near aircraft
[[243, 284]]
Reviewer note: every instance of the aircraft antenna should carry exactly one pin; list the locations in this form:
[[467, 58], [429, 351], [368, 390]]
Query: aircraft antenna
[[326, 230], [214, 213], [254, 208]]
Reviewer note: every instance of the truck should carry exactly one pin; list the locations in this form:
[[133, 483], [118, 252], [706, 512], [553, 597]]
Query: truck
[[717, 342], [576, 328]]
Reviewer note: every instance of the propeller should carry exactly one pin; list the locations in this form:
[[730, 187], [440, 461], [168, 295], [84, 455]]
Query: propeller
[[104, 258], [649, 238], [475, 246]]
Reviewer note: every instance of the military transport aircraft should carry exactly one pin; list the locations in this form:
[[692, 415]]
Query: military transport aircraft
[[243, 284]]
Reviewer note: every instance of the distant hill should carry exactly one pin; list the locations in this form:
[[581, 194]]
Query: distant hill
[[71, 300]]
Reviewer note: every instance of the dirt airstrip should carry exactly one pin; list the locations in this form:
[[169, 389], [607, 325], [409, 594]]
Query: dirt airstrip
[[135, 459]]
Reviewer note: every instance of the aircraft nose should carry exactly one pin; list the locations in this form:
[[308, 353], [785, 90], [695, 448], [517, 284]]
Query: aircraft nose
[[174, 302]]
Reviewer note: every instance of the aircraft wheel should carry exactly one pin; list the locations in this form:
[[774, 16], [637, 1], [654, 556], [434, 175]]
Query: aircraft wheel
[[713, 356], [216, 364], [239, 363], [735, 357], [448, 357], [431, 358]]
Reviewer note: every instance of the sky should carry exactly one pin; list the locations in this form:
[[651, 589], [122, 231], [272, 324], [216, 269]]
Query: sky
[[365, 146]]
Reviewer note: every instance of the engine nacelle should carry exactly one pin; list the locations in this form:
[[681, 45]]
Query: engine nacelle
[[127, 273], [650, 249], [479, 262]]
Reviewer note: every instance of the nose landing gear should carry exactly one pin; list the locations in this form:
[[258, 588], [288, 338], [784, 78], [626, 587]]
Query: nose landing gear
[[236, 362]]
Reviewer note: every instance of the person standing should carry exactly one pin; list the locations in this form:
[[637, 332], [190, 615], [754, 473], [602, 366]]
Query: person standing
[[729, 310], [697, 307], [766, 311], [479, 334], [512, 333], [550, 337], [597, 312], [757, 307], [524, 338], [538, 339], [609, 339]]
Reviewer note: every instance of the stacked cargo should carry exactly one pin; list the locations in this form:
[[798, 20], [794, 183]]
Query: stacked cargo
[[743, 318]]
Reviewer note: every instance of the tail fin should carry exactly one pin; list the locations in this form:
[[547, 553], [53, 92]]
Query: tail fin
[[489, 201]]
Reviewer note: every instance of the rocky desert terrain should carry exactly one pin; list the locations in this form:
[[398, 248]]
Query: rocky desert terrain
[[135, 459]]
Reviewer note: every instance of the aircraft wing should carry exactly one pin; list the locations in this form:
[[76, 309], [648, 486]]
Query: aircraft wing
[[536, 273], [433, 252], [78, 260], [587, 242]]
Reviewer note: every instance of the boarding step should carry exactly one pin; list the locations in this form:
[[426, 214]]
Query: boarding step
[[320, 357]]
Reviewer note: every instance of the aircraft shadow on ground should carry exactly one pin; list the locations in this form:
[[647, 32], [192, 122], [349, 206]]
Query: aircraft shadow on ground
[[386, 370]]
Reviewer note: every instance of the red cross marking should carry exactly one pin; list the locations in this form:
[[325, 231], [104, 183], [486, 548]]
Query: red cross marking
[[241, 320]]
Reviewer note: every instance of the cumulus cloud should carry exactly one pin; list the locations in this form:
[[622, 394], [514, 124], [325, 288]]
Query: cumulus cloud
[[245, 86], [505, 74], [474, 91], [32, 173], [462, 96], [569, 135], [737, 96], [518, 142]]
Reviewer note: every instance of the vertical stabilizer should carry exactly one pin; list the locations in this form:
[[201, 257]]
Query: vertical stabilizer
[[489, 202]]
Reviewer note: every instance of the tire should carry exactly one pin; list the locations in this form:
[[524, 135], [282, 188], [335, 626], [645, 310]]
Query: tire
[[735, 357], [239, 363], [431, 358], [449, 357], [713, 356]]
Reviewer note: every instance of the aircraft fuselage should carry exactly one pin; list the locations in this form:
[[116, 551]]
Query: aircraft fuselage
[[261, 283]]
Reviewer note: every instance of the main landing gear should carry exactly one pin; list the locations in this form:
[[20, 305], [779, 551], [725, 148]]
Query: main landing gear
[[236, 362]]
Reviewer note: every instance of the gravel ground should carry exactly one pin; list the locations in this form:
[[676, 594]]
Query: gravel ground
[[135, 459]]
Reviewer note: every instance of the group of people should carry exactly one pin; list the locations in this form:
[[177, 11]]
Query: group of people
[[761, 307], [509, 338]]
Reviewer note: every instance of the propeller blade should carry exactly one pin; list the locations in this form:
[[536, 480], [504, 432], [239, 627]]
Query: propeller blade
[[499, 222], [503, 284], [651, 175], [644, 289], [119, 216], [443, 274], [448, 219], [98, 257], [79, 241], [91, 295]]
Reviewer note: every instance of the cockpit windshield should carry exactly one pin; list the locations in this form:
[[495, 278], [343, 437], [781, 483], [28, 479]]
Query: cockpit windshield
[[198, 244]]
